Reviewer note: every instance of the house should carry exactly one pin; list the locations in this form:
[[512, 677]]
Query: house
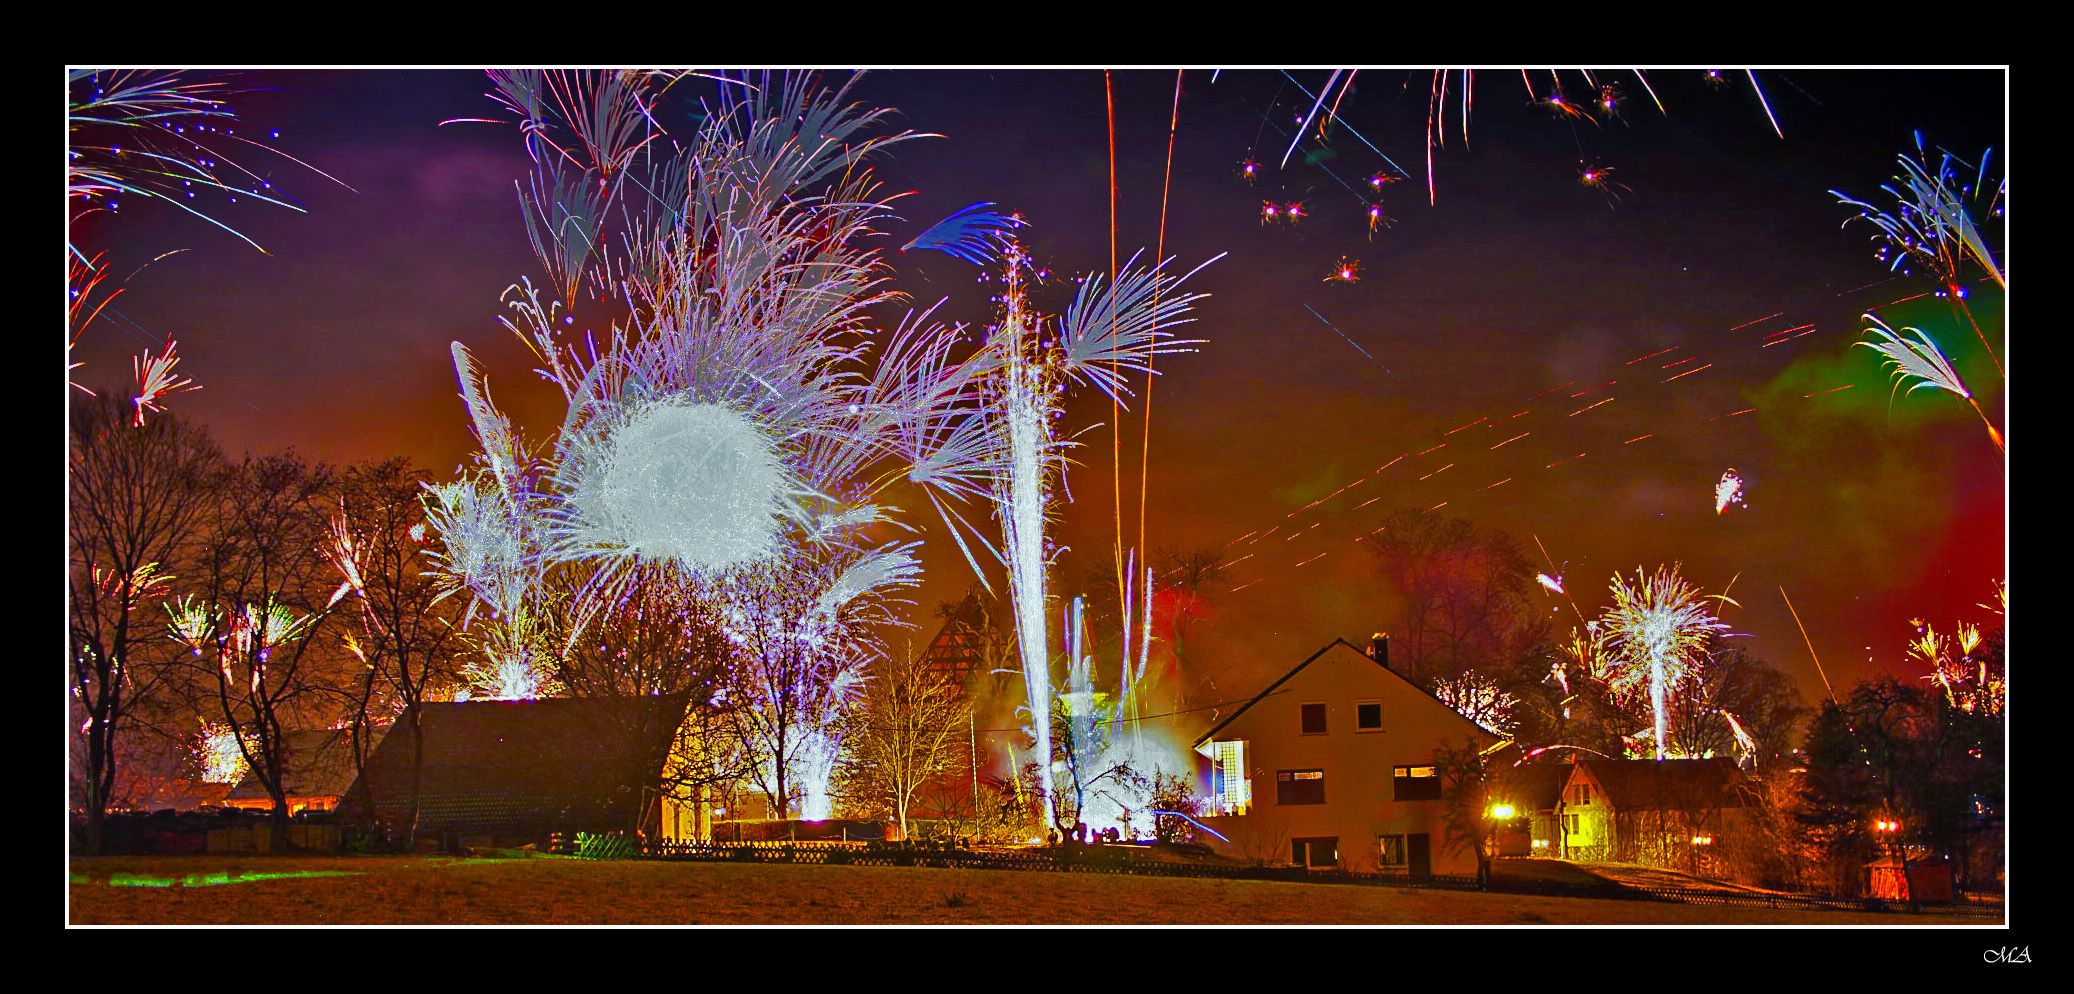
[[1333, 766], [1667, 812], [318, 768], [514, 772]]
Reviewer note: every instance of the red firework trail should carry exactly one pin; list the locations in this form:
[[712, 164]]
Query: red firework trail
[[1559, 462], [1514, 438], [1638, 438], [1436, 472], [1445, 434], [1608, 400], [1731, 414], [1903, 300], [1501, 421], [1651, 355], [1550, 390], [1440, 446], [1682, 362], [1240, 539], [1765, 318], [1241, 559], [1482, 489], [1434, 508], [1791, 330], [1604, 385], [1246, 584], [1369, 501], [1689, 372], [1313, 559], [1846, 386]]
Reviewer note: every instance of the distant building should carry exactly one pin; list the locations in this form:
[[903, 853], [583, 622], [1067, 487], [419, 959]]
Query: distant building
[[1333, 766], [317, 771], [1670, 813], [509, 773]]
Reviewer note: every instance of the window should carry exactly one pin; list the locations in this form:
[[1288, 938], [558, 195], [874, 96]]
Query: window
[[1314, 852], [1417, 783], [1313, 719], [1584, 793], [1300, 787], [1368, 716], [1392, 847], [1230, 788], [1570, 824]]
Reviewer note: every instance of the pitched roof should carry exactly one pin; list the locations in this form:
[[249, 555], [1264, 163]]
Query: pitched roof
[[1207, 736], [1537, 786], [522, 767], [319, 764], [1648, 784]]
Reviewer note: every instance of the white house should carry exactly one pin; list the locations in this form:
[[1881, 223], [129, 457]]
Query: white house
[[1333, 766]]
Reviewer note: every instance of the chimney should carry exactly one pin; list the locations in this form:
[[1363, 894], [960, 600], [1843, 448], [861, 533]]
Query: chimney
[[1379, 648]]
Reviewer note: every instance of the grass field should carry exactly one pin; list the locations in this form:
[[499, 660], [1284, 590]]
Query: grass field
[[403, 890]]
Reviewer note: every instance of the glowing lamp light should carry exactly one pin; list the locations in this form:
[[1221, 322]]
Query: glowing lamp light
[[1502, 811]]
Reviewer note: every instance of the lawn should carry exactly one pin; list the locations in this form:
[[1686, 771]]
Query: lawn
[[402, 890]]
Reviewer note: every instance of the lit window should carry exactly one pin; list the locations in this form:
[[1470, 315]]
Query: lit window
[[1368, 716], [1300, 787], [1392, 853], [1416, 783], [1313, 719], [1229, 784]]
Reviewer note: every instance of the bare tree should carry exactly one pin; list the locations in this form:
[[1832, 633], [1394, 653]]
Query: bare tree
[[905, 731], [137, 498], [1463, 590], [404, 633], [1466, 791], [257, 609]]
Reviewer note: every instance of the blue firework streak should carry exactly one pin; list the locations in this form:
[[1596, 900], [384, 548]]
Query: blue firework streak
[[973, 235]]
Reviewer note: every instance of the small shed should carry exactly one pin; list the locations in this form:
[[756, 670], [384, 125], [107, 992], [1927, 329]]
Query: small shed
[[1929, 880], [318, 767]]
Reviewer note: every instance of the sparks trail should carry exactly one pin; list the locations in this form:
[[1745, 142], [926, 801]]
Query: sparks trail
[[1903, 300], [1442, 445], [1444, 434], [1313, 559], [1501, 421], [1788, 331], [1482, 489], [1846, 386], [1356, 345], [1553, 389], [1689, 372], [1559, 462], [1768, 317], [1436, 472], [1575, 413], [1514, 438], [1601, 386], [1682, 362], [1638, 438], [1651, 355], [1731, 414]]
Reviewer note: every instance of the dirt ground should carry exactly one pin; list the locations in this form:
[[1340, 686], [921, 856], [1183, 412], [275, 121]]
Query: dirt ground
[[400, 890]]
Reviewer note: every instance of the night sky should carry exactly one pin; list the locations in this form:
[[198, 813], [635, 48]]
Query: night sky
[[1520, 279]]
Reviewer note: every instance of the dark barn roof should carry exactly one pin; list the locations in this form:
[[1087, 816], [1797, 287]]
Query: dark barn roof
[[1536, 786], [522, 768], [1670, 784]]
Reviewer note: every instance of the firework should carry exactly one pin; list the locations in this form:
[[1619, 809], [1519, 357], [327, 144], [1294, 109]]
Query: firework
[[1932, 227], [1728, 491], [1657, 630], [1922, 360], [1552, 584], [1348, 271]]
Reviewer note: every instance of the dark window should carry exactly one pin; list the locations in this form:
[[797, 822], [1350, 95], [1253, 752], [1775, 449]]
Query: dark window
[[1314, 719], [1314, 852], [1300, 787], [1417, 783], [1369, 715], [1392, 850]]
